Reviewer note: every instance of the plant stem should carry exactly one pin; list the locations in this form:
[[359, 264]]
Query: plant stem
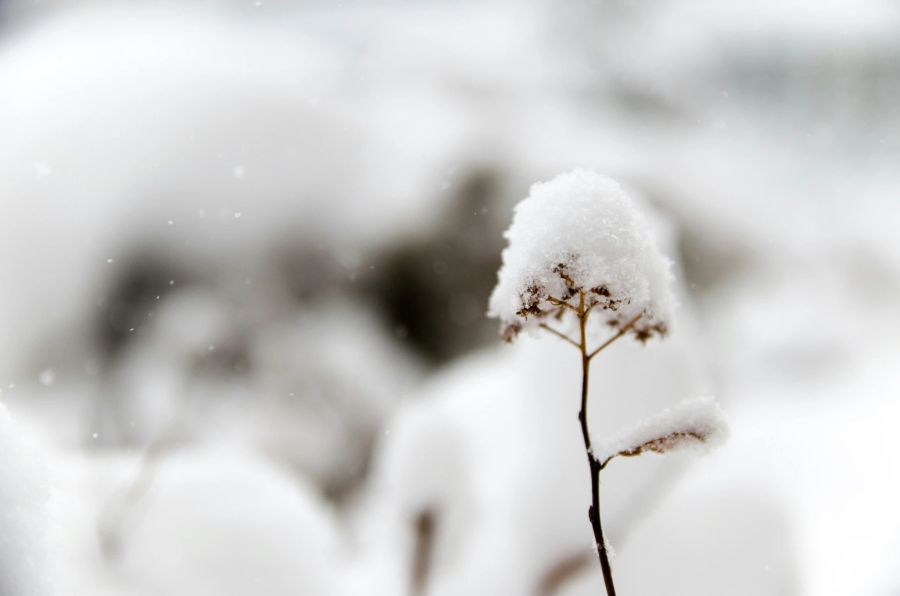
[[625, 329], [593, 462], [558, 334]]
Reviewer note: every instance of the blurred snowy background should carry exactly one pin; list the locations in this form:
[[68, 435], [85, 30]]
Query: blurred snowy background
[[245, 253]]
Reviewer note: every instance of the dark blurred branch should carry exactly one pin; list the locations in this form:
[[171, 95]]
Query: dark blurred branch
[[562, 572], [425, 530], [114, 516]]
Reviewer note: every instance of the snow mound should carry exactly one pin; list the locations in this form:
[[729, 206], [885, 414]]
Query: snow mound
[[24, 494]]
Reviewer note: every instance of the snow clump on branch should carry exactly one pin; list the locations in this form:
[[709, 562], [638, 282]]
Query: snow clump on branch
[[697, 422], [579, 235]]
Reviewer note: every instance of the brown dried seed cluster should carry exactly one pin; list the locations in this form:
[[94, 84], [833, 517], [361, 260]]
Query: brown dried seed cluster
[[531, 302], [510, 332], [535, 301], [598, 297], [666, 443], [646, 332]]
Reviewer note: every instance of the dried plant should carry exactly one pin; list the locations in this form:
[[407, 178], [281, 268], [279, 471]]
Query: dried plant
[[582, 258]]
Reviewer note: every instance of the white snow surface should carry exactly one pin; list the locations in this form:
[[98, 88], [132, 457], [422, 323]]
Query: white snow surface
[[23, 520], [684, 423], [587, 223]]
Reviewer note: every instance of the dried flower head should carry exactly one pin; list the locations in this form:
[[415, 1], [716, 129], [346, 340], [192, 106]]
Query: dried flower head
[[580, 237]]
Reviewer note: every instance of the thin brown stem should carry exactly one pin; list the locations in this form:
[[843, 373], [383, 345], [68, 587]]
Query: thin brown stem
[[625, 329], [559, 334], [593, 462], [562, 303]]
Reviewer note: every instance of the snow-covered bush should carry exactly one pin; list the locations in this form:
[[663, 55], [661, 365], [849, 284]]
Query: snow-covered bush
[[577, 245], [242, 526]]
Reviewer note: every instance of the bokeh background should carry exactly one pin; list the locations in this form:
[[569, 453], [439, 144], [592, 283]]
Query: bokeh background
[[245, 253]]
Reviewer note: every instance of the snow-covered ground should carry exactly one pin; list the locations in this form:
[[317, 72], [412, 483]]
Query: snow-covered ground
[[246, 249]]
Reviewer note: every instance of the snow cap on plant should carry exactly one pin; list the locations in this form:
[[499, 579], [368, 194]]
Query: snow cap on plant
[[580, 235]]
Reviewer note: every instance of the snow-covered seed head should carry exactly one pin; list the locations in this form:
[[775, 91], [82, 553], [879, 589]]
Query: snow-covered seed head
[[577, 238]]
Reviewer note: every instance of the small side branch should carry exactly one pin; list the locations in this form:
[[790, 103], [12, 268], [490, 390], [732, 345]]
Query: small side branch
[[625, 329], [560, 335], [562, 303]]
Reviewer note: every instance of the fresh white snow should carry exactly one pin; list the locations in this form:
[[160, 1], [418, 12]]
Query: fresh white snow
[[24, 524]]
